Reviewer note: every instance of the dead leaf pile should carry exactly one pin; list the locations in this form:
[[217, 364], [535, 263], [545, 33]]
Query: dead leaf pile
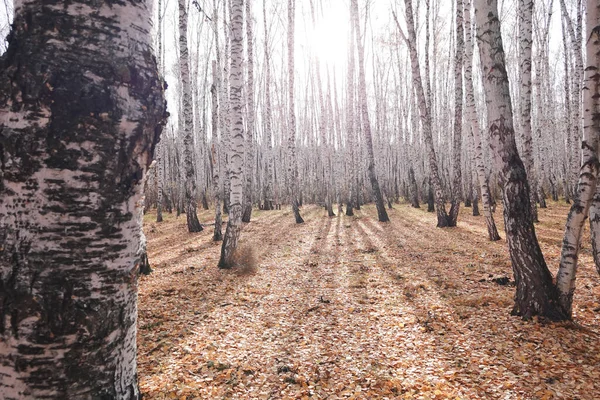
[[349, 308]]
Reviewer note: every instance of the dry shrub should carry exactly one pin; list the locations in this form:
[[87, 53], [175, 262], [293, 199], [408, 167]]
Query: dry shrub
[[244, 260]]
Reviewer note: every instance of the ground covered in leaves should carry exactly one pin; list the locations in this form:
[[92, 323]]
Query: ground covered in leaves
[[350, 308]]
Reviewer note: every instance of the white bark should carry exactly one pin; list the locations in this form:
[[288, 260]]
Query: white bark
[[73, 158], [525, 12], [588, 175], [291, 145], [476, 129], [236, 151], [187, 122], [249, 162]]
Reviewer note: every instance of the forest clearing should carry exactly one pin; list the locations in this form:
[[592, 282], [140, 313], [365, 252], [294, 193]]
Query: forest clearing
[[348, 307]]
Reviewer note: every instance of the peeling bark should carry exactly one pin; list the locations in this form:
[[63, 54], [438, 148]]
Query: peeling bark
[[536, 293], [587, 198], [81, 110]]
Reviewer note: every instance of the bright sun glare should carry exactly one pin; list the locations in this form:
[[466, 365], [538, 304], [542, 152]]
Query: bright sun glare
[[328, 39]]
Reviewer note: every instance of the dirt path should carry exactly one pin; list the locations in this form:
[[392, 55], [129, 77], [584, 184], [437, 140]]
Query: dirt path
[[347, 307]]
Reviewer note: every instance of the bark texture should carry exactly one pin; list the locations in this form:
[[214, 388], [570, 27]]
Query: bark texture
[[536, 293], [187, 123], [425, 115], [525, 13], [476, 130], [366, 123], [587, 198], [249, 161], [458, 111], [215, 154], [236, 151], [292, 161], [81, 110]]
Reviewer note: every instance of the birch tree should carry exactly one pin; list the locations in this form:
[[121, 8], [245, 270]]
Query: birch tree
[[425, 115], [475, 130], [249, 161], [525, 13], [187, 123], [458, 109], [79, 122], [236, 151], [536, 293], [366, 124], [588, 174], [268, 195], [291, 145], [215, 154]]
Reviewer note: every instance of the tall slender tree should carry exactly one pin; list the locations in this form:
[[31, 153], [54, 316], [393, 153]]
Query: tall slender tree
[[236, 151], [366, 123], [458, 115], [588, 175], [215, 154], [425, 115], [475, 130], [249, 161], [536, 293], [187, 123], [292, 157], [268, 196], [525, 13]]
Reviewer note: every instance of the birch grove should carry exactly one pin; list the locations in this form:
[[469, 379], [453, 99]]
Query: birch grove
[[274, 108], [401, 121]]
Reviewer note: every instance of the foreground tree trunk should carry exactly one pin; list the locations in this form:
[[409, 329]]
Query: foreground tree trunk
[[236, 151], [292, 161], [191, 202], [79, 122], [536, 293], [366, 124], [476, 130], [588, 175]]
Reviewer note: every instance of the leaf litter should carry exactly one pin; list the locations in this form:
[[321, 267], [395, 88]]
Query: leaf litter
[[350, 308]]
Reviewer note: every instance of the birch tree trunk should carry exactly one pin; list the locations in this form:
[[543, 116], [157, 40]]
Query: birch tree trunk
[[215, 154], [476, 130], [536, 293], [525, 13], [575, 35], [236, 150], [424, 112], [366, 124], [249, 164], [350, 125], [187, 117], [458, 109], [79, 121], [292, 161], [588, 174], [268, 118], [160, 178]]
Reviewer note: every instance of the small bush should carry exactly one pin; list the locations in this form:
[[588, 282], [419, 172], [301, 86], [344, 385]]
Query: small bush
[[244, 261]]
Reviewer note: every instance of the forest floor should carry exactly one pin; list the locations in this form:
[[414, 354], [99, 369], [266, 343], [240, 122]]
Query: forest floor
[[347, 307]]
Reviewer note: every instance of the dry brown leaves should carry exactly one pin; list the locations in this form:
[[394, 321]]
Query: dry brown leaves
[[349, 308]]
